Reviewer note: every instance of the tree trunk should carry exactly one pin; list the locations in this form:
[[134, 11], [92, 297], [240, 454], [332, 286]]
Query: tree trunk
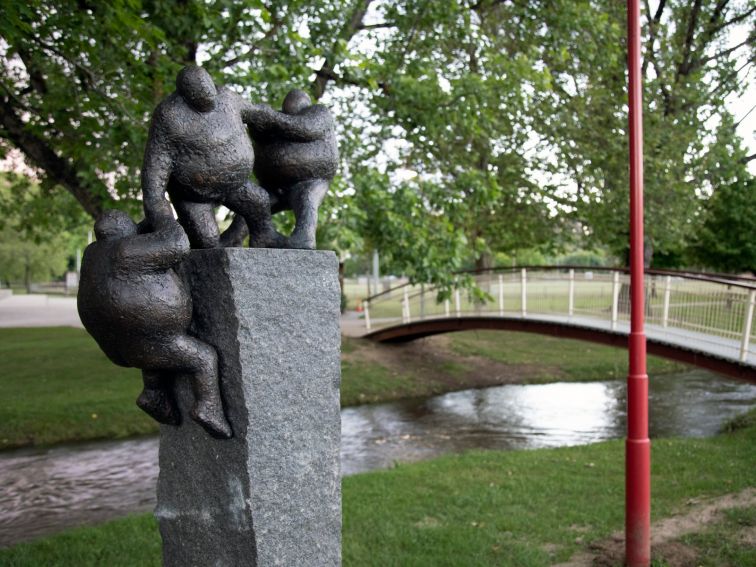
[[624, 294], [27, 276], [341, 287], [484, 262]]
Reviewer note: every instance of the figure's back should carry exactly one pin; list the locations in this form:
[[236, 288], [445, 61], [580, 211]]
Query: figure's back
[[94, 297]]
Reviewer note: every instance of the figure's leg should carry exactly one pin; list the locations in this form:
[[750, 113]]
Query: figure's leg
[[201, 361], [198, 220], [157, 397], [305, 198], [234, 235], [253, 203]]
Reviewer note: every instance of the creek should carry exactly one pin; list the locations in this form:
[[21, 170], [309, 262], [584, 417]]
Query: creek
[[43, 491]]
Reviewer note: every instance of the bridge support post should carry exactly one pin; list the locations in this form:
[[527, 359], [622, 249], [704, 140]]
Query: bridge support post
[[457, 302], [615, 298], [747, 326], [501, 295], [571, 300], [667, 292], [422, 301], [366, 310], [405, 306], [524, 291]]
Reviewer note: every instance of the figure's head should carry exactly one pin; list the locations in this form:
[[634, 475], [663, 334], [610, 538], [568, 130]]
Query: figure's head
[[295, 101], [196, 87], [114, 224]]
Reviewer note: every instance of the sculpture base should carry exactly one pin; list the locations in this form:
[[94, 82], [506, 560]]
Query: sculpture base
[[271, 495]]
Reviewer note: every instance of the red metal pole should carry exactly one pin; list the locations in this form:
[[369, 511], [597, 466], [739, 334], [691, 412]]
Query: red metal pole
[[637, 445]]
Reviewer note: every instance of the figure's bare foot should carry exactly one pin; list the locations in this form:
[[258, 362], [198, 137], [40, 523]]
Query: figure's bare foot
[[271, 239], [159, 404], [212, 419], [301, 242]]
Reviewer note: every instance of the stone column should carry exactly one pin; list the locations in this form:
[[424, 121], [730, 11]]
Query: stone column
[[271, 495]]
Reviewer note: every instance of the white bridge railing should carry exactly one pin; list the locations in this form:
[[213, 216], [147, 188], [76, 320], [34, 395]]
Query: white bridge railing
[[711, 313]]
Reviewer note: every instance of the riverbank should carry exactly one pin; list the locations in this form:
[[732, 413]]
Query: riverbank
[[528, 508], [56, 385]]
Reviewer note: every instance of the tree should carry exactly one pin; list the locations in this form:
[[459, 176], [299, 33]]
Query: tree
[[39, 231], [27, 261], [511, 114], [725, 240], [688, 70]]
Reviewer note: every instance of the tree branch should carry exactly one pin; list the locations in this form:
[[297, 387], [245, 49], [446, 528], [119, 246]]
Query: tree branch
[[731, 21], [724, 53], [350, 28], [684, 67], [44, 157], [277, 23], [652, 23]]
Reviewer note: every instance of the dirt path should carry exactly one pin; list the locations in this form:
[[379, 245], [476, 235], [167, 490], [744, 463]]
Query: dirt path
[[666, 532]]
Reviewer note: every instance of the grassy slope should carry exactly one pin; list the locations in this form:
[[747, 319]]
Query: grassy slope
[[573, 360], [56, 385], [374, 373], [481, 508]]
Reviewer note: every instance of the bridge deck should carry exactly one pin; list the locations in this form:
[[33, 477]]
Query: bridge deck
[[709, 351]]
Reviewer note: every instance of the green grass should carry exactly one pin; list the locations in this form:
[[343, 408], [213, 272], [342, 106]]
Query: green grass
[[574, 360], [369, 383], [722, 544], [57, 386], [525, 508]]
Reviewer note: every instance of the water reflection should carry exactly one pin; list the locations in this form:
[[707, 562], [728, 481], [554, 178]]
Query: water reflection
[[45, 491], [694, 404]]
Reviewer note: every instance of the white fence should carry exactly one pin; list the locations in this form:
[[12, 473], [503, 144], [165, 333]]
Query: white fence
[[714, 312]]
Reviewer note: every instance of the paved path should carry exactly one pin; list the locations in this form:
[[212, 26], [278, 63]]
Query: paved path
[[47, 311], [38, 311]]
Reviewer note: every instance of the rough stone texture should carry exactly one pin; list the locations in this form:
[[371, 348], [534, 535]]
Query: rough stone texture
[[271, 495]]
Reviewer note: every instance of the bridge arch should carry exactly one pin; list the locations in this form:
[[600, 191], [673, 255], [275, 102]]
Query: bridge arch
[[700, 319]]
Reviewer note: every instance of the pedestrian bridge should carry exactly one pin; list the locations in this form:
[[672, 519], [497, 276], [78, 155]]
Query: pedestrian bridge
[[701, 319]]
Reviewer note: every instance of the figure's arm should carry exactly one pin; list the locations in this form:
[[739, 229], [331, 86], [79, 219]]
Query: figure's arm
[[156, 170], [155, 251], [264, 122]]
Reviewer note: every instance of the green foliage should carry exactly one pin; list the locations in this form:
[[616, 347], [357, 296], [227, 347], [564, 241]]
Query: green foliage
[[27, 262], [583, 258], [687, 74], [510, 115], [39, 231], [725, 239]]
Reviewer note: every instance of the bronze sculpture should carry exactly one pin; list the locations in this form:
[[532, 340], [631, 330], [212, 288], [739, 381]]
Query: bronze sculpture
[[131, 298], [200, 152], [137, 308]]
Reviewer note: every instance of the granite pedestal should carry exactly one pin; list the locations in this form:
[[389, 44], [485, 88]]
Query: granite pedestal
[[271, 495]]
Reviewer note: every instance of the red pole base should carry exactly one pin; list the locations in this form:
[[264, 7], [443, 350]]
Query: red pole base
[[638, 503]]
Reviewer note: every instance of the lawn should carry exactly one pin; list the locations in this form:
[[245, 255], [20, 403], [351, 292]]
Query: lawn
[[56, 385], [526, 508]]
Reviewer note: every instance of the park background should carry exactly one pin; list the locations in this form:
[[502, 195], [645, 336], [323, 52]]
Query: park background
[[472, 134]]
